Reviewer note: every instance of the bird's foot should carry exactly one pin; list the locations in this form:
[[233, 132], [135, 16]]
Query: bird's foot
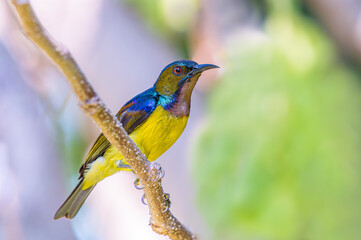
[[144, 201], [157, 172], [138, 185], [166, 197], [123, 165]]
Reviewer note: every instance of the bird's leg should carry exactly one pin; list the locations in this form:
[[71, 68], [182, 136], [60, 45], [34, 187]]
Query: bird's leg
[[123, 165]]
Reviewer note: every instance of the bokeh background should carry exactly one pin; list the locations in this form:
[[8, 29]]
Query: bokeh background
[[272, 150]]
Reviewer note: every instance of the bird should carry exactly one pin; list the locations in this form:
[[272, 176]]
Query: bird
[[154, 120]]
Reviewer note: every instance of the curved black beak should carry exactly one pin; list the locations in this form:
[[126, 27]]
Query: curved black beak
[[201, 68]]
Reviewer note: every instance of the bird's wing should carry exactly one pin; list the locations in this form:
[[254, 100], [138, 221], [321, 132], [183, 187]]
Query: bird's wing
[[131, 115]]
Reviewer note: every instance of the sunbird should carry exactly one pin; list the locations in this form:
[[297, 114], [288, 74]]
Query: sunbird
[[154, 120]]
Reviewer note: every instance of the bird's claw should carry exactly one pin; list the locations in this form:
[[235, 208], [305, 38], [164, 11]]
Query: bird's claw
[[144, 201], [166, 197], [138, 185], [157, 172]]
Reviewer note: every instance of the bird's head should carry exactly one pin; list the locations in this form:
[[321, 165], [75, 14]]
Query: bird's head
[[180, 77]]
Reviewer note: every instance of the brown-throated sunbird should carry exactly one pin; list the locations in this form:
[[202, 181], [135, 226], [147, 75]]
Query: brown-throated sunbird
[[154, 119]]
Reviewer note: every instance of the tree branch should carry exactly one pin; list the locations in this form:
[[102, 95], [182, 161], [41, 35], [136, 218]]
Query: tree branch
[[162, 220]]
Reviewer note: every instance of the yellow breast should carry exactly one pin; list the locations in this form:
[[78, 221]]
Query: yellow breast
[[158, 133], [155, 136]]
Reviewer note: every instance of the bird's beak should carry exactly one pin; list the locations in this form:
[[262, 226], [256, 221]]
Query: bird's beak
[[197, 70], [201, 68]]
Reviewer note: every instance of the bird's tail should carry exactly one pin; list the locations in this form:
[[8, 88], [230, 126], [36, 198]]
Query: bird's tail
[[73, 203]]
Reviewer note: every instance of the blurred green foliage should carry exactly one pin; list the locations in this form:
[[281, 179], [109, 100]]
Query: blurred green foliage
[[279, 157]]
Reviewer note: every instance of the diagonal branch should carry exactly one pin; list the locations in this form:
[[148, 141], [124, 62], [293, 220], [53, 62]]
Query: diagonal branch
[[162, 222]]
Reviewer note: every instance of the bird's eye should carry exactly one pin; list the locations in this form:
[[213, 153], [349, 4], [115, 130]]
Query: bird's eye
[[177, 70]]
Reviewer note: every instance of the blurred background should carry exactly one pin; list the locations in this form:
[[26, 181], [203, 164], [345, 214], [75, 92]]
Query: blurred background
[[272, 150]]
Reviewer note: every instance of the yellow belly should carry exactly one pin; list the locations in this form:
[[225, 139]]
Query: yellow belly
[[155, 136]]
